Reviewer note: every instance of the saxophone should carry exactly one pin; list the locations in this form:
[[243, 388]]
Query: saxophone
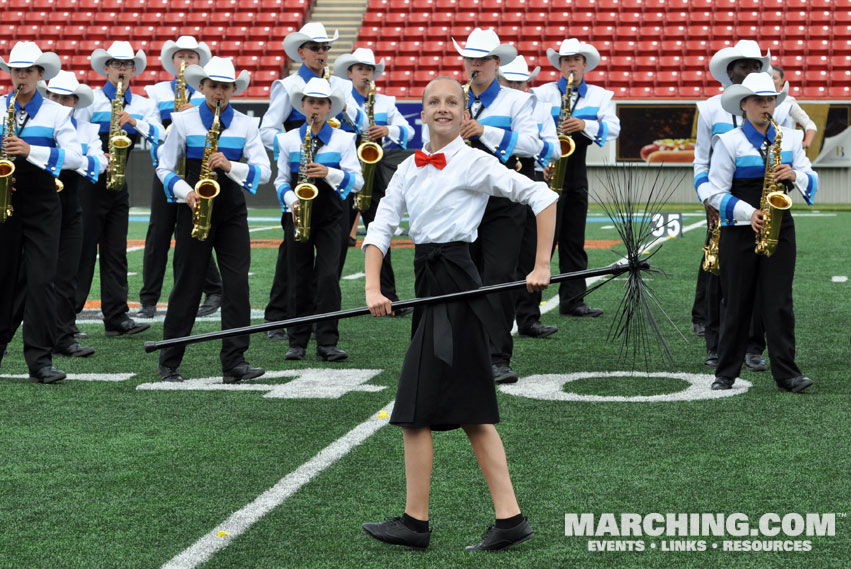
[[369, 153], [565, 141], [119, 143], [326, 74], [711, 260], [305, 191], [467, 97], [774, 201], [207, 187], [7, 163], [180, 99]]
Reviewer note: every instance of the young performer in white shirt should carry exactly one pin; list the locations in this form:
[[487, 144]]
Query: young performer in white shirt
[[446, 380], [238, 139]]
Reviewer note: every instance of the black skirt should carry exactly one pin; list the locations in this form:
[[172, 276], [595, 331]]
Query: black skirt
[[446, 378]]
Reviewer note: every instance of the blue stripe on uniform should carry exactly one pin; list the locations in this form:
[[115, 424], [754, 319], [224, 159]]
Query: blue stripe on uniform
[[403, 137], [54, 163], [700, 179], [728, 205], [93, 169], [280, 191], [545, 153], [346, 185], [168, 185], [812, 188], [721, 128], [253, 178], [602, 133]]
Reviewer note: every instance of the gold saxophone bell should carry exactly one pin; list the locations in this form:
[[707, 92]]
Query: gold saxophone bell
[[306, 193], [774, 202]]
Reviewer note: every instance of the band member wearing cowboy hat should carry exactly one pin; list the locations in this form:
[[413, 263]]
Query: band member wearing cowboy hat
[[502, 123], [239, 139], [734, 189], [729, 66], [66, 90], [335, 171], [391, 131], [105, 212], [592, 120], [527, 305], [43, 144], [186, 50], [446, 381], [310, 46]]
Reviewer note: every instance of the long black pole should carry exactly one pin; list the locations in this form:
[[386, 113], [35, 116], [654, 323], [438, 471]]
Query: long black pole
[[614, 269]]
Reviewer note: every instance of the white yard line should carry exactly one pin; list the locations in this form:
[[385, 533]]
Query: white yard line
[[239, 522]]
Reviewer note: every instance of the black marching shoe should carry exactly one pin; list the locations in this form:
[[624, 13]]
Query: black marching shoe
[[699, 329], [722, 383], [74, 350], [147, 311], [241, 372], [502, 373], [80, 335], [496, 538], [583, 311], [170, 374], [755, 362], [330, 354], [395, 532], [211, 303], [537, 330], [295, 353], [276, 334], [794, 385], [126, 328], [711, 359], [47, 374]]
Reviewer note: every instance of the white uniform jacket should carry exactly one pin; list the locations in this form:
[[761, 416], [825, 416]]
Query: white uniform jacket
[[590, 103]]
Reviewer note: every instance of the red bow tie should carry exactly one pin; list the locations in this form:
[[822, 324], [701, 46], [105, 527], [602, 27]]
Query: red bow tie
[[436, 160]]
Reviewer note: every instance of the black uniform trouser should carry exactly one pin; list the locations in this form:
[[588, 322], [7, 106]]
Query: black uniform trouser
[[105, 219], [312, 268], [528, 304], [229, 237], [350, 212], [70, 246], [749, 280], [756, 337], [495, 253], [570, 235], [29, 249], [157, 244], [698, 307], [279, 301]]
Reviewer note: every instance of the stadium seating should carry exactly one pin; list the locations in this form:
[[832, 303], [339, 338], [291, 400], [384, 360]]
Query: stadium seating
[[649, 48]]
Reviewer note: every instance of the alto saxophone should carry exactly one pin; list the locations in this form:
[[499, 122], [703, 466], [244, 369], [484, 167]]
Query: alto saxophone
[[206, 187], [467, 97], [369, 153], [774, 201], [566, 142], [7, 163], [119, 143], [180, 99], [326, 74], [305, 191], [711, 259]]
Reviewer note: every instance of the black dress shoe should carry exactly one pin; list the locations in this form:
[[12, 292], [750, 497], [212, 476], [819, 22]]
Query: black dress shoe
[[755, 362], [74, 350], [502, 373], [711, 359], [330, 354], [126, 328], [211, 303], [147, 311], [794, 385], [722, 383], [47, 374], [404, 311], [295, 353], [170, 374], [537, 330], [241, 372], [496, 538], [699, 329], [276, 334], [583, 311], [395, 532], [78, 334]]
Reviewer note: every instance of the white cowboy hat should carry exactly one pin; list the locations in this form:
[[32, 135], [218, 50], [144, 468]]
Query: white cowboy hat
[[573, 46], [311, 31], [361, 55], [217, 69], [65, 83], [760, 84], [482, 43], [319, 88], [183, 42], [518, 70], [744, 49], [122, 51], [27, 54]]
